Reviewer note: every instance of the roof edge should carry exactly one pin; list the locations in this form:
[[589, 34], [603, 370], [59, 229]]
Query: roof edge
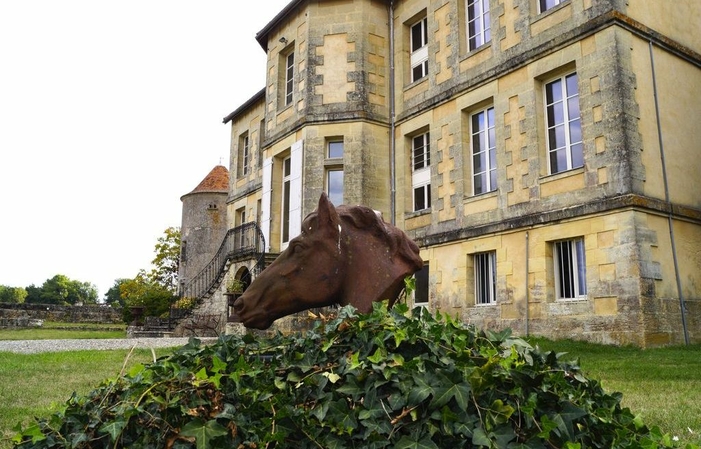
[[262, 35], [256, 97]]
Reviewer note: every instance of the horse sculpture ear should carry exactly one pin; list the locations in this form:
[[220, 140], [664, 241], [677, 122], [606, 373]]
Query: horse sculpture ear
[[326, 214]]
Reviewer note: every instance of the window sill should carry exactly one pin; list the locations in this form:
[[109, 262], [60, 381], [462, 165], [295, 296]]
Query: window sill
[[484, 47], [418, 213], [570, 300], [562, 174], [480, 196], [416, 83]]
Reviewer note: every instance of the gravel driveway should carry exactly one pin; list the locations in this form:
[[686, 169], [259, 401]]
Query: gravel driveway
[[34, 346]]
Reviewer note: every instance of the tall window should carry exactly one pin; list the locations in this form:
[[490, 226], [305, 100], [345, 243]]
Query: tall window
[[419, 49], [478, 26], [547, 4], [485, 278], [484, 152], [421, 171], [334, 172], [289, 77], [564, 124], [240, 220], [244, 155], [285, 213], [570, 269], [421, 291]]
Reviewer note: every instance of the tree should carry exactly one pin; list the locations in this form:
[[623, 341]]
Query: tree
[[62, 290], [33, 295], [12, 295], [142, 291], [167, 260], [113, 297]]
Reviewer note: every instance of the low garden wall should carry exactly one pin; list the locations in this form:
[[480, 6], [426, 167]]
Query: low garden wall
[[14, 315]]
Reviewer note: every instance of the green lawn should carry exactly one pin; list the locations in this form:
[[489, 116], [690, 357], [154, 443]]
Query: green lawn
[[58, 331], [39, 384], [663, 385]]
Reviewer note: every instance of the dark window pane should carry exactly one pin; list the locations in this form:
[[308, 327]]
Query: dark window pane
[[421, 292], [419, 198]]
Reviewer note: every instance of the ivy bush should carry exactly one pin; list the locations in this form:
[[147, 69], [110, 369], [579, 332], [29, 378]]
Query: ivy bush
[[388, 379]]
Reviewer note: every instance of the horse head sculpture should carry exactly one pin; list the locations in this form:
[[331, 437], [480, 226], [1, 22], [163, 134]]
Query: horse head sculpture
[[345, 255]]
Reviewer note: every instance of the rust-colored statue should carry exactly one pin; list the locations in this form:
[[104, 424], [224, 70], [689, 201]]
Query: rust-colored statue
[[344, 255]]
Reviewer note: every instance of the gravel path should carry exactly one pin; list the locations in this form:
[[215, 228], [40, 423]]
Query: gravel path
[[34, 346]]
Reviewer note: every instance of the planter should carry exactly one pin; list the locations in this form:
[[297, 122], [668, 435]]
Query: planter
[[231, 298]]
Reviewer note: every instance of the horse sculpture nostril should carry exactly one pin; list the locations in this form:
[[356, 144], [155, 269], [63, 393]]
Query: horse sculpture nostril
[[238, 305]]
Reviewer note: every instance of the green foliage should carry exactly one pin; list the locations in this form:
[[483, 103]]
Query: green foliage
[[113, 297], [167, 261], [62, 290], [372, 381], [12, 295], [143, 292]]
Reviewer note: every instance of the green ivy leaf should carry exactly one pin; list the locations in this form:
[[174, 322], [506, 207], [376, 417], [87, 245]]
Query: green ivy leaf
[[113, 428], [203, 432]]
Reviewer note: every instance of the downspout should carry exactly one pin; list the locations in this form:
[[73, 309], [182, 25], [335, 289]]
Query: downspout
[[526, 283], [392, 125], [682, 305]]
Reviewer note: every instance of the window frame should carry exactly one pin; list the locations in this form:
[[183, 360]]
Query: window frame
[[285, 210], [489, 137], [543, 5], [244, 155], [289, 59], [576, 266], [421, 171], [421, 286], [418, 54], [490, 277], [573, 150], [484, 35]]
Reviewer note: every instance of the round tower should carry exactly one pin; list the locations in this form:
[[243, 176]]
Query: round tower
[[204, 223]]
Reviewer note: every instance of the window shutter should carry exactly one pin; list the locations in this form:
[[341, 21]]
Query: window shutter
[[266, 200], [296, 188]]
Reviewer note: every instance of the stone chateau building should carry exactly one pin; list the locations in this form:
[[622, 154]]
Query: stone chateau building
[[540, 152]]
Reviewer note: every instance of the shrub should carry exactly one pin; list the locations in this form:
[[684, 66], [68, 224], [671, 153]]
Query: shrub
[[372, 381]]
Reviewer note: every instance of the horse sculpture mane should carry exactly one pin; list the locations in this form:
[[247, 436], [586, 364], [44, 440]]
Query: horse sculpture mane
[[344, 255]]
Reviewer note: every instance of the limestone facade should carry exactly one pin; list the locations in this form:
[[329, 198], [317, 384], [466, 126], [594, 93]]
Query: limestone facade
[[554, 187]]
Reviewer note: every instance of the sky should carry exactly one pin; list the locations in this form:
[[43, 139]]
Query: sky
[[110, 111]]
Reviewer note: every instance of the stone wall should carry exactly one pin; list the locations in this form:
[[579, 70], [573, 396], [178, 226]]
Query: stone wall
[[11, 313]]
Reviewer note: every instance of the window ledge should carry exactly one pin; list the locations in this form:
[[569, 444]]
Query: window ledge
[[418, 213], [476, 51], [562, 174], [416, 83], [480, 196], [570, 300]]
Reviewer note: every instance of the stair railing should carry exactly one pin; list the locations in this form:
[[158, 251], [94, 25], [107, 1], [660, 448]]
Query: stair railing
[[246, 240]]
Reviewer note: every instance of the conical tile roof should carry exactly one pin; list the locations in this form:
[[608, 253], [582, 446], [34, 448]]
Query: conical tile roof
[[216, 181]]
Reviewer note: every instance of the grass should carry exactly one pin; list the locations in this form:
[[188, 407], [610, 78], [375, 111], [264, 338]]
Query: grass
[[36, 385], [662, 385], [59, 331]]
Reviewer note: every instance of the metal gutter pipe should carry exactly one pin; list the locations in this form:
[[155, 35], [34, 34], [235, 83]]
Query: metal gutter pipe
[[527, 292], [682, 305], [392, 124]]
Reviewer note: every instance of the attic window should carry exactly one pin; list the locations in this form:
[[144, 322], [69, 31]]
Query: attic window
[[212, 207]]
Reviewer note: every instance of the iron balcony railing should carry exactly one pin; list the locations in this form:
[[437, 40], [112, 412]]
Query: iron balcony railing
[[243, 241]]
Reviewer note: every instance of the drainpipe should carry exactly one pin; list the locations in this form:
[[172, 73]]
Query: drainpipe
[[682, 305], [392, 125], [526, 283]]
